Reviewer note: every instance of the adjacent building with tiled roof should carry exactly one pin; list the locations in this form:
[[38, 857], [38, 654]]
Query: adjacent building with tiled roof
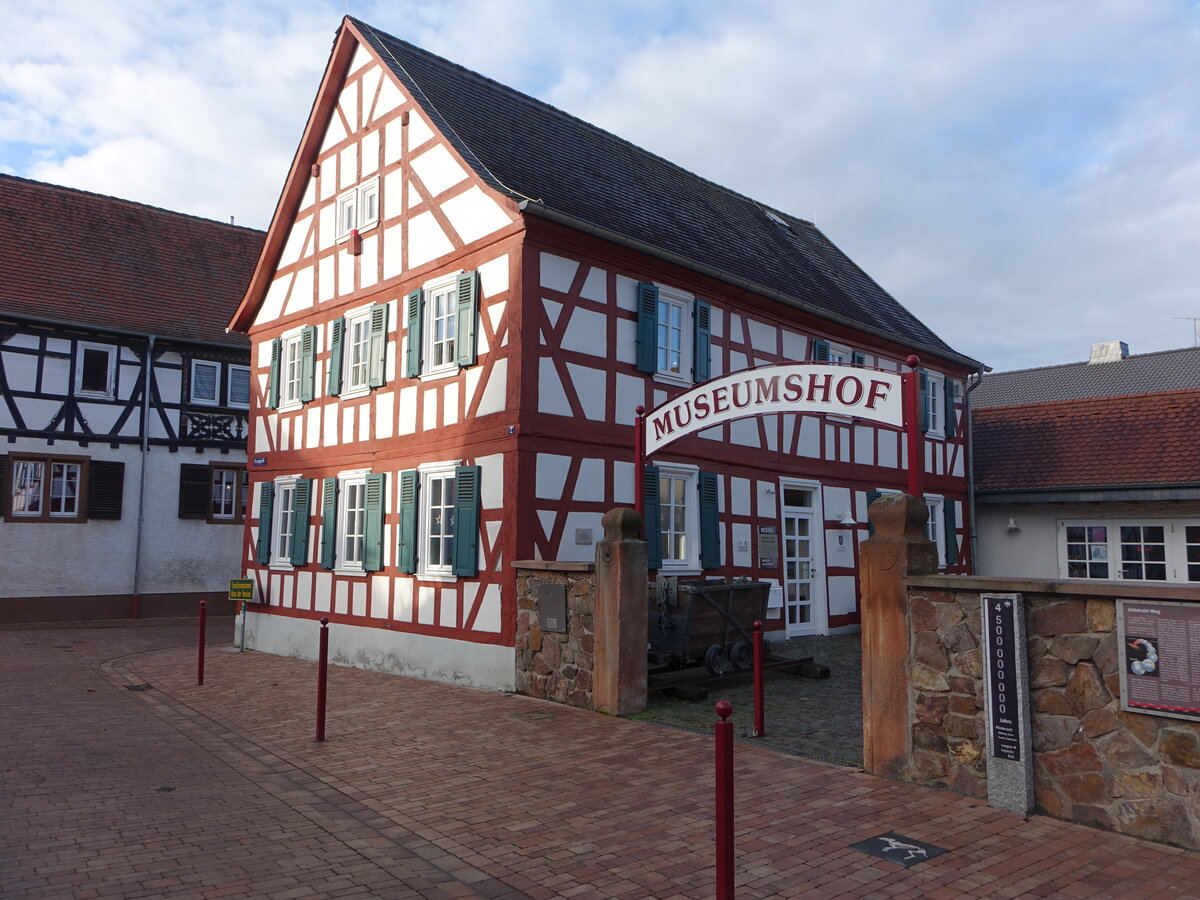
[[114, 358], [1091, 470]]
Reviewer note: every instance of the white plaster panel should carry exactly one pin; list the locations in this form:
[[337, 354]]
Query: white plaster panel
[[843, 445], [623, 483], [326, 220], [766, 493], [310, 195], [363, 414], [744, 432], [406, 413], [335, 133], [392, 136], [810, 437], [957, 470], [568, 550], [736, 333], [450, 403], [762, 337], [842, 595], [742, 548], [330, 416], [393, 251], [626, 349], [488, 617], [295, 242], [426, 605], [717, 324], [272, 304], [368, 262], [284, 438], [393, 193], [449, 608], [491, 480], [835, 500], [326, 289], [864, 445], [739, 491], [426, 240], [553, 308], [323, 596], [888, 449], [474, 215], [551, 476], [304, 590], [358, 598], [312, 427], [558, 272], [590, 388], [737, 361], [589, 487], [716, 433], [379, 596], [771, 427], [631, 393], [586, 333], [403, 608], [345, 270], [390, 97], [261, 442], [626, 293], [347, 435], [429, 408], [418, 130], [361, 59], [795, 346], [300, 297], [493, 277], [370, 152], [438, 170], [552, 399], [595, 285], [546, 519], [385, 414], [348, 162], [341, 597]]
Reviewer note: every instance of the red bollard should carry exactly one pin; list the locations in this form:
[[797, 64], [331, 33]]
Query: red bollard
[[760, 715], [322, 676], [724, 733], [200, 649]]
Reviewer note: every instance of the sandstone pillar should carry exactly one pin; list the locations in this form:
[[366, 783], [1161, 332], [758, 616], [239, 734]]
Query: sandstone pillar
[[898, 548], [622, 618]]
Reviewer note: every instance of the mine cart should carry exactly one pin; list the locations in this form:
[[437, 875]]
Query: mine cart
[[705, 621]]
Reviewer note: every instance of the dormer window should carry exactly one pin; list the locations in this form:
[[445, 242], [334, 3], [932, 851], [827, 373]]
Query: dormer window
[[358, 208]]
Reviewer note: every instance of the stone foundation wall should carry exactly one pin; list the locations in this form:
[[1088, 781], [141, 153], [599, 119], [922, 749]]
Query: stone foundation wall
[[553, 665], [1093, 763]]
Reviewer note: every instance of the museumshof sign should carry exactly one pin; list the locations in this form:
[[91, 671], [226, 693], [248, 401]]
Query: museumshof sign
[[829, 389]]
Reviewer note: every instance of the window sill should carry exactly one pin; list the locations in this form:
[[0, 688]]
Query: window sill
[[350, 573], [440, 577], [675, 380], [440, 374], [354, 393], [281, 567], [94, 395]]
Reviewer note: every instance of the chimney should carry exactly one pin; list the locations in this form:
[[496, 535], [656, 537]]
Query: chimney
[[1109, 351]]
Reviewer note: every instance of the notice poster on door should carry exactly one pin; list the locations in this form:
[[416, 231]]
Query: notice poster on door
[[1159, 657]]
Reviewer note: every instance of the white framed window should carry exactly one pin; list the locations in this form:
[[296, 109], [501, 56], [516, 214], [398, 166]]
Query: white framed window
[[356, 354], [229, 487], [436, 553], [935, 525], [440, 328], [239, 386], [283, 524], [1129, 550], [935, 403], [291, 362], [206, 382], [46, 489], [673, 335], [352, 521], [358, 208], [678, 518], [95, 370]]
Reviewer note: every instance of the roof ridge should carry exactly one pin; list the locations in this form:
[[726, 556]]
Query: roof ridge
[[1104, 398], [137, 203], [1084, 362]]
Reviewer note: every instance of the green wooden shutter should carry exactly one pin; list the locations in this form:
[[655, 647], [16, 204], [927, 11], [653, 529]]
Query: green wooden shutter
[[820, 351], [412, 355], [857, 358], [300, 513], [647, 327], [266, 494], [701, 339], [652, 523], [273, 380], [373, 524], [710, 521], [106, 486], [924, 399], [336, 333], [377, 359], [329, 495], [308, 363], [195, 491], [951, 527], [872, 496], [468, 316], [406, 548], [949, 402], [466, 521]]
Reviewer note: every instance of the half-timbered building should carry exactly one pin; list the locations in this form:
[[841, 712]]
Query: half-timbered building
[[124, 405], [464, 296]]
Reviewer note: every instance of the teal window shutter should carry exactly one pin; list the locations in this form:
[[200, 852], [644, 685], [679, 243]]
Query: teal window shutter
[[308, 362], [377, 349], [266, 493], [300, 522], [857, 358], [924, 401], [273, 380], [412, 355], [466, 521], [820, 351], [710, 521], [329, 495], [949, 399], [373, 524], [467, 315], [406, 550], [872, 496], [647, 327], [702, 338], [951, 526], [652, 524], [335, 355]]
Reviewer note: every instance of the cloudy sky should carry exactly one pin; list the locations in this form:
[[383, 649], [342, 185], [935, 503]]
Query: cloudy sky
[[1023, 175]]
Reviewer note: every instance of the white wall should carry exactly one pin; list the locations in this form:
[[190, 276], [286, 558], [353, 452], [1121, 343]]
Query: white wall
[[1029, 552]]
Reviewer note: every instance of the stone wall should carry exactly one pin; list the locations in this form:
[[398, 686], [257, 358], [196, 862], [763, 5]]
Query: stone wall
[[1093, 763], [553, 665]]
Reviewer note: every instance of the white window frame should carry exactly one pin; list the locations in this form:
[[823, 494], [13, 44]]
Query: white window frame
[[291, 352], [215, 400], [935, 404], [237, 404], [348, 482], [281, 556], [1175, 547], [429, 473], [935, 525], [359, 318], [110, 375], [689, 562], [670, 298], [368, 204], [221, 479], [447, 286], [350, 213]]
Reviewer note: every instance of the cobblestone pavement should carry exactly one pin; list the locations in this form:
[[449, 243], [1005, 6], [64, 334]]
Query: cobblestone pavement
[[121, 778], [819, 718]]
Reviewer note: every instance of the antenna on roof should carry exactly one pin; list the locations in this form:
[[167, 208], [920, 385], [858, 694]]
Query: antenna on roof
[[1195, 320], [231, 220]]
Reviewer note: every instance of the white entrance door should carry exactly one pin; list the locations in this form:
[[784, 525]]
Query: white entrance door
[[803, 539]]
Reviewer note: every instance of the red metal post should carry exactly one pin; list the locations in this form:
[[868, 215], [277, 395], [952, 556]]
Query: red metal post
[[724, 733], [639, 464], [760, 715], [200, 648], [912, 428], [322, 676]]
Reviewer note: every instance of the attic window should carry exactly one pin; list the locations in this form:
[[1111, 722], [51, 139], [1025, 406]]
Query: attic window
[[774, 218], [358, 208]]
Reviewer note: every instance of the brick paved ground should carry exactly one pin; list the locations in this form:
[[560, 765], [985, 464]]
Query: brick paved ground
[[428, 790]]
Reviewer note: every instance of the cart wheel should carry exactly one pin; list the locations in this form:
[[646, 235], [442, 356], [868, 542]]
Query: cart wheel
[[741, 656], [716, 660]]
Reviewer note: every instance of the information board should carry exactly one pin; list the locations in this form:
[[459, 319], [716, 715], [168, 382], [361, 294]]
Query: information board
[[1001, 641], [241, 589], [1159, 657]]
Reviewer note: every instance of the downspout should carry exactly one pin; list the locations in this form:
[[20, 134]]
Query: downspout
[[971, 468], [148, 372]]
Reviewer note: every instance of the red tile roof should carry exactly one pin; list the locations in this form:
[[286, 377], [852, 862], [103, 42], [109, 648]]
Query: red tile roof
[[1146, 439], [73, 256]]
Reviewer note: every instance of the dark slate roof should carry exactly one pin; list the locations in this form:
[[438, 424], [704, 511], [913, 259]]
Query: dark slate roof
[[532, 151], [76, 257], [1168, 370], [1147, 439]]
